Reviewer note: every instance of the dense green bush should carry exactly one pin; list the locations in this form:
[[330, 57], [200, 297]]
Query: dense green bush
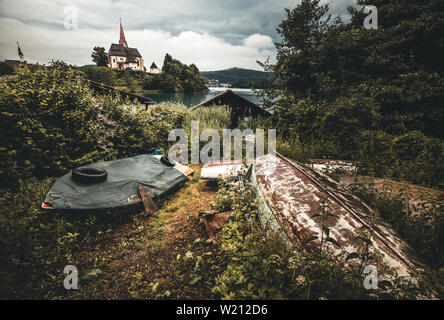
[[161, 81], [187, 78], [341, 90], [422, 227], [175, 77], [46, 122], [52, 122], [411, 156]]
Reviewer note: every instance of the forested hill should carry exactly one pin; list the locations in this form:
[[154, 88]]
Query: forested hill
[[234, 75]]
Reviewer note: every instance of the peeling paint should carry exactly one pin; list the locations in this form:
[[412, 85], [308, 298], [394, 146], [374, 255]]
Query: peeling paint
[[293, 193]]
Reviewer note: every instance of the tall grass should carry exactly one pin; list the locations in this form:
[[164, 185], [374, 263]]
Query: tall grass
[[216, 117], [253, 123], [422, 228]]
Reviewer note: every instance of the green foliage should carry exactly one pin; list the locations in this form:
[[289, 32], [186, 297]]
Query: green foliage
[[163, 118], [160, 81], [100, 57], [101, 74], [129, 77], [422, 228], [412, 156], [337, 85], [46, 117], [51, 122], [177, 76], [293, 149], [213, 118], [253, 263], [36, 245], [216, 117], [323, 216]]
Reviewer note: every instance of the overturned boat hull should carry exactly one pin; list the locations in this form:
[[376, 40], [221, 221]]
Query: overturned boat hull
[[291, 195], [120, 189]]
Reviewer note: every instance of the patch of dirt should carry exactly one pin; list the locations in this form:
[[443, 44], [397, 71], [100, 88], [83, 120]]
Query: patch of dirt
[[137, 260], [345, 172]]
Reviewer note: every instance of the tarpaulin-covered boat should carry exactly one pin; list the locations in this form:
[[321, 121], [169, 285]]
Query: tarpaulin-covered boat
[[119, 187], [291, 198]]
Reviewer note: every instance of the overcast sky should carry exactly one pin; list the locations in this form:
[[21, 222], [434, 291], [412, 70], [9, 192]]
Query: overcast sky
[[213, 34]]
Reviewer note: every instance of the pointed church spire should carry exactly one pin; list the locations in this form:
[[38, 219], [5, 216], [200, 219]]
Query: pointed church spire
[[20, 53], [122, 40]]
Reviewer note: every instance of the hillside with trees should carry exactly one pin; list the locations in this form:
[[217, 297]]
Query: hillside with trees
[[237, 77], [175, 76]]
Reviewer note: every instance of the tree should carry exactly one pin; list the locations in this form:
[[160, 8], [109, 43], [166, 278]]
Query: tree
[[166, 61], [335, 84], [177, 76], [325, 62], [101, 74], [302, 32], [100, 57]]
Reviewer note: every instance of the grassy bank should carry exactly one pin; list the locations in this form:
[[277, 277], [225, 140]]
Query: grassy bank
[[140, 259], [168, 255]]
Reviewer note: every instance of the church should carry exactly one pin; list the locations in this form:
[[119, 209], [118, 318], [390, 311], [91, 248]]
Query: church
[[122, 57], [15, 64]]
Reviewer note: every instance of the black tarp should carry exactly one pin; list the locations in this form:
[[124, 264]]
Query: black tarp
[[120, 188]]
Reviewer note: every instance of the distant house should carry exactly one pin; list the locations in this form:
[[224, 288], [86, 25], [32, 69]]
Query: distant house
[[122, 57], [239, 106], [21, 63], [154, 69]]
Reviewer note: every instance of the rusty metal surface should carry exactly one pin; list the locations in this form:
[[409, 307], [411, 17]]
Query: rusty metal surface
[[214, 222], [293, 192], [147, 201]]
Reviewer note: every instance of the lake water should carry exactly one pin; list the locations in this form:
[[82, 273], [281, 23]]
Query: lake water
[[190, 99]]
